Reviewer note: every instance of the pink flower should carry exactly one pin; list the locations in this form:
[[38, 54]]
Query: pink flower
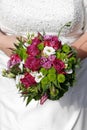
[[43, 98], [59, 65], [33, 50], [51, 58], [28, 80], [45, 63], [52, 41], [32, 63], [14, 59]]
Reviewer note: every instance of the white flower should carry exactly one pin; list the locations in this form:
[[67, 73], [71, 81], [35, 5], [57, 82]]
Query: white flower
[[66, 65], [21, 65], [48, 51], [26, 44], [34, 73], [38, 76], [69, 71], [18, 77]]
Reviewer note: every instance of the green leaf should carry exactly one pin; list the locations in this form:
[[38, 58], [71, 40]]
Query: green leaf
[[45, 87], [33, 90], [53, 92], [58, 54], [66, 25], [8, 74], [72, 60], [28, 100], [22, 53]]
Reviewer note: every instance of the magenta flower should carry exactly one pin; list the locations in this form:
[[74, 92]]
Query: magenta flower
[[43, 98], [59, 65], [37, 39], [33, 50], [14, 59], [52, 41], [28, 80], [32, 63]]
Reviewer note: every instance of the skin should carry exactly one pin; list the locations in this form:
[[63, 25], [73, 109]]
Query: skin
[[81, 46], [6, 42]]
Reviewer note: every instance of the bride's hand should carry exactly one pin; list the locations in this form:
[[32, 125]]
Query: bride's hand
[[7, 43]]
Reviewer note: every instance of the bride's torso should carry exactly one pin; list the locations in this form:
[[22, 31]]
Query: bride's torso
[[18, 16]]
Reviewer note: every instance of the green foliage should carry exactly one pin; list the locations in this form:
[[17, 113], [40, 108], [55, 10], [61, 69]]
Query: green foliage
[[61, 78], [44, 71], [21, 50], [52, 70], [41, 46], [66, 48]]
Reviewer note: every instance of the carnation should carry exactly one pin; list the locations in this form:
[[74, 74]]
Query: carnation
[[32, 63], [32, 50], [59, 65], [28, 80], [14, 59]]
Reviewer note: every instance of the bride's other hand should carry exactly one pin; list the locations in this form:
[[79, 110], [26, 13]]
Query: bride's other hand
[[81, 46]]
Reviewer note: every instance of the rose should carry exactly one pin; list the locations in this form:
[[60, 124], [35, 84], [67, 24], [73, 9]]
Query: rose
[[59, 65], [33, 50], [32, 63], [52, 41], [14, 59], [28, 80]]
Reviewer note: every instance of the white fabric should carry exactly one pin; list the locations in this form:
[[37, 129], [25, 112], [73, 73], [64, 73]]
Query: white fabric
[[68, 113], [85, 5], [43, 15]]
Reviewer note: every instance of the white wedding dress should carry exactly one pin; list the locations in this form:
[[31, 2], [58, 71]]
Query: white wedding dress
[[68, 113]]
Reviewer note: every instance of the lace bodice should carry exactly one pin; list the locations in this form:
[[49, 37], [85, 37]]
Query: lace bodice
[[18, 16]]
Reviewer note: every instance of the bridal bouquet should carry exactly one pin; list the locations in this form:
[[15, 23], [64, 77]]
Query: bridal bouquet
[[42, 66]]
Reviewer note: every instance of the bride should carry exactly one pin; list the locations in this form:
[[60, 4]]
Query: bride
[[19, 17]]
